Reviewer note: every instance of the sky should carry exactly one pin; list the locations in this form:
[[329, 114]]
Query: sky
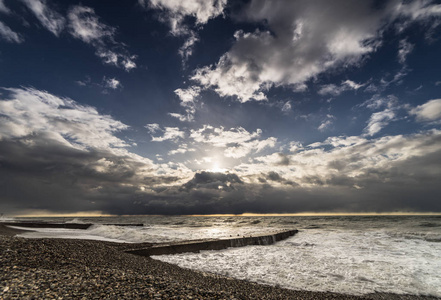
[[220, 106]]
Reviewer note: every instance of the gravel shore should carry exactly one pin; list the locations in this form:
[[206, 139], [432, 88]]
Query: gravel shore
[[80, 269]]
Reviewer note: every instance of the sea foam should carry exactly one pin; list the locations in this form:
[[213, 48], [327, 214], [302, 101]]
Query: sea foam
[[351, 262]]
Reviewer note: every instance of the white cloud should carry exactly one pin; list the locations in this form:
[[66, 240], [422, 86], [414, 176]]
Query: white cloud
[[9, 35], [303, 40], [334, 90], [48, 17], [188, 95], [60, 119], [154, 127], [353, 160], [186, 49], [188, 100], [111, 83], [170, 134], [86, 26], [242, 150], [378, 121], [176, 10], [377, 101], [189, 117], [175, 13], [3, 8], [295, 146], [287, 107], [183, 148], [353, 85], [326, 123], [405, 48], [220, 137], [238, 142], [416, 10], [429, 111]]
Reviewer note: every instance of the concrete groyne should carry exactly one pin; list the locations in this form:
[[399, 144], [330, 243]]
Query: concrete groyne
[[60, 225], [196, 246]]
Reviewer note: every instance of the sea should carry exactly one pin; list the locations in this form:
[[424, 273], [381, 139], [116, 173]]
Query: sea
[[344, 254]]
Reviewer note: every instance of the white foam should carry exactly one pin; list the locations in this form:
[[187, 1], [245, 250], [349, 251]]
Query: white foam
[[76, 221], [351, 262], [61, 233], [7, 219]]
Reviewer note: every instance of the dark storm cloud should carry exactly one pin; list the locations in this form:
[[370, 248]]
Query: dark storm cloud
[[213, 181], [275, 177], [52, 158]]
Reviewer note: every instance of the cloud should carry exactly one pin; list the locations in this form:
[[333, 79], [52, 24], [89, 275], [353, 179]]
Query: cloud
[[429, 111], [60, 155], [378, 121], [183, 148], [3, 8], [152, 128], [378, 101], [210, 180], [111, 83], [60, 119], [176, 13], [300, 40], [86, 26], [186, 50], [48, 17], [287, 107], [169, 133], [238, 142], [354, 160], [405, 48], [334, 90], [326, 123], [9, 35], [188, 102]]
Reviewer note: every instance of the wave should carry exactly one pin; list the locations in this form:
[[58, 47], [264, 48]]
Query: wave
[[75, 221], [429, 224], [7, 219]]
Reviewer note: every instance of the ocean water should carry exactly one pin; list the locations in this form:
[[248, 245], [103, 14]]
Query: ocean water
[[353, 255]]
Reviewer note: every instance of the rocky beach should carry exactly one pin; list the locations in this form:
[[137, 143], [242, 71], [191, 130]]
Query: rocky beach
[[80, 269]]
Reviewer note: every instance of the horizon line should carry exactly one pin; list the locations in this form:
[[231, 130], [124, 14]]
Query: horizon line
[[305, 214]]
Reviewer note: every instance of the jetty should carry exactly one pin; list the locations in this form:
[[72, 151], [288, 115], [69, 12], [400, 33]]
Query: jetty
[[212, 244], [60, 225]]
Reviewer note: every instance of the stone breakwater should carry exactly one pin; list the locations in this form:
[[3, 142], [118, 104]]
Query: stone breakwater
[[59, 225], [196, 246]]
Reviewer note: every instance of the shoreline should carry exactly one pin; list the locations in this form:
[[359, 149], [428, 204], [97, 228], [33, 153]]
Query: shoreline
[[45, 268], [8, 231]]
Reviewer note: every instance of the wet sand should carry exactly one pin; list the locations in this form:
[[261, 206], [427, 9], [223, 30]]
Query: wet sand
[[80, 269]]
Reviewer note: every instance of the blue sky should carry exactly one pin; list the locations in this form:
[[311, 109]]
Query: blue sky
[[190, 107]]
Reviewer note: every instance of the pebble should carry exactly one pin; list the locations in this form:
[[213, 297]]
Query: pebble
[[78, 269]]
